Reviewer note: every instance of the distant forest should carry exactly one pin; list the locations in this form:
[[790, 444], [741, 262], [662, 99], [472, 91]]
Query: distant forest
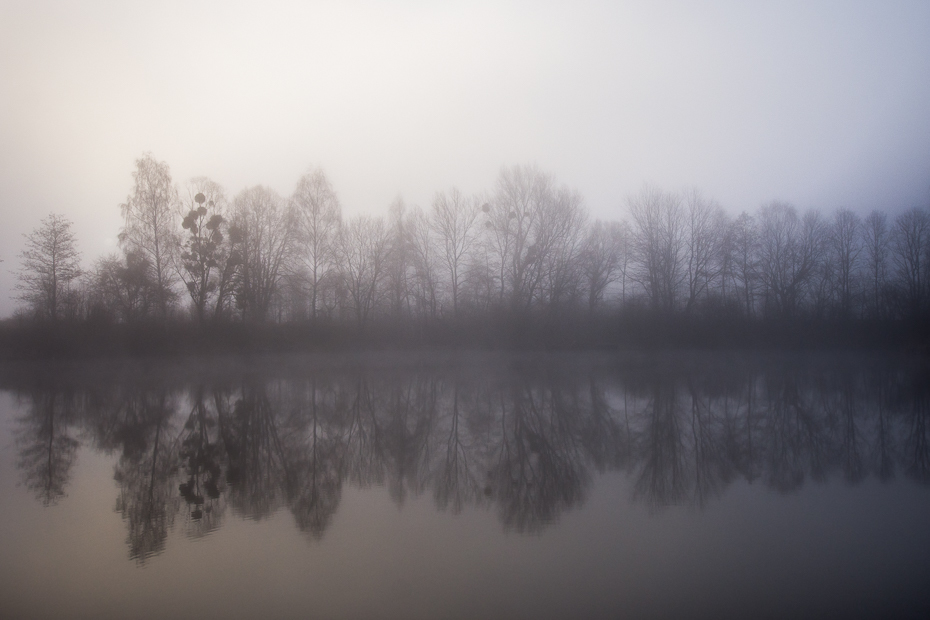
[[522, 265]]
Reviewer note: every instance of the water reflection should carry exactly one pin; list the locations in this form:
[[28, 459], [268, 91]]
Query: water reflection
[[47, 449], [525, 442]]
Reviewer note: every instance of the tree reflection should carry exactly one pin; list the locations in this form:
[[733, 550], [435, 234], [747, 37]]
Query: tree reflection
[[258, 463], [148, 498], [315, 487], [539, 470], [794, 436], [456, 479], [46, 449], [525, 442], [917, 444], [200, 458], [662, 478]]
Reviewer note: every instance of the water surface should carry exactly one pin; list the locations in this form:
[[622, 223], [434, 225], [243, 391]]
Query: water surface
[[428, 486]]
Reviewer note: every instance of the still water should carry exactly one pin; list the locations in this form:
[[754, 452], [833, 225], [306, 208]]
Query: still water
[[467, 486]]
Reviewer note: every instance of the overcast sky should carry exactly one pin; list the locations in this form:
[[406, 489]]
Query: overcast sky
[[823, 104]]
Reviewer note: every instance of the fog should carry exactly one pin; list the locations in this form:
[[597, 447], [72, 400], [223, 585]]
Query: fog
[[824, 106]]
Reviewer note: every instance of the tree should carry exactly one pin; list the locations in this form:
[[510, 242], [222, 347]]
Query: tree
[[846, 241], [660, 242], [704, 236], [790, 249], [149, 225], [263, 233], [559, 241], [529, 222], [204, 251], [604, 258], [453, 220], [744, 244], [50, 263], [123, 288], [318, 215], [877, 243], [363, 248], [911, 239], [399, 264], [425, 262]]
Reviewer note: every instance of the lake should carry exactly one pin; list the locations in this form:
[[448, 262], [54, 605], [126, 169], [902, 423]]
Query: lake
[[469, 485]]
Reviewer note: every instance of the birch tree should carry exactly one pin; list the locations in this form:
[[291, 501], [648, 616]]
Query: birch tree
[[149, 226]]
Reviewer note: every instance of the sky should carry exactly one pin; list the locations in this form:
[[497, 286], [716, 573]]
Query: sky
[[822, 104]]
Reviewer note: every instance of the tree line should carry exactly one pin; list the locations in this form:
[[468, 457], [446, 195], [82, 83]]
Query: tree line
[[524, 256]]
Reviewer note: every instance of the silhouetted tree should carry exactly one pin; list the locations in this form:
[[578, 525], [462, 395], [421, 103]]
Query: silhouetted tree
[[910, 241], [790, 249], [522, 193], [318, 216], [877, 241], [845, 241], [604, 258], [704, 228], [399, 262], [48, 265], [363, 247], [426, 263], [124, 288], [559, 242], [660, 241], [204, 251], [149, 226], [263, 232], [746, 259], [454, 220]]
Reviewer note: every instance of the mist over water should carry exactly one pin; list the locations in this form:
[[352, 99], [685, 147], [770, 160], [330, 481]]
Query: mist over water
[[660, 455], [361, 310]]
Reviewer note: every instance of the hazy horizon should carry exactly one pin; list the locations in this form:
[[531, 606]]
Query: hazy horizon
[[821, 105]]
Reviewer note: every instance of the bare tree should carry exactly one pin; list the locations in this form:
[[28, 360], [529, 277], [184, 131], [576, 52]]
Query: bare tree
[[49, 263], [846, 245], [535, 233], [877, 241], [149, 225], [559, 241], [660, 244], [425, 261], [522, 193], [745, 258], [263, 233], [703, 238], [363, 248], [318, 215], [600, 260], [911, 238], [790, 251], [122, 287], [454, 218], [398, 269]]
